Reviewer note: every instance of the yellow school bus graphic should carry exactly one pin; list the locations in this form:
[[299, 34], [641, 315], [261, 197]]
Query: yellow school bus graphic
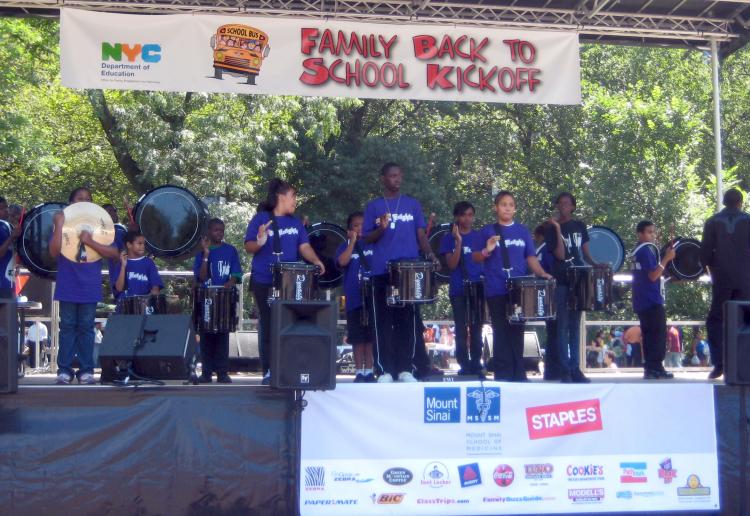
[[239, 50]]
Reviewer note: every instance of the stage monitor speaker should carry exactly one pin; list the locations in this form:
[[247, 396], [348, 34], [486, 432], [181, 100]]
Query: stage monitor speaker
[[159, 347], [8, 346], [303, 345], [737, 342]]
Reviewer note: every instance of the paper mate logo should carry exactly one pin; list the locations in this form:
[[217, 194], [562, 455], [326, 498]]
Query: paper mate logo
[[503, 475], [586, 495], [442, 405], [693, 487], [633, 473], [564, 419], [666, 472], [483, 404], [131, 52], [315, 478], [436, 475], [469, 475]]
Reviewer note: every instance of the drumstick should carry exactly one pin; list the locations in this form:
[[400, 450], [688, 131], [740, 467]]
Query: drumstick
[[430, 223], [23, 214]]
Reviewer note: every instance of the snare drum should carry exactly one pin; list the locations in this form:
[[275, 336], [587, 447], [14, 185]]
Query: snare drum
[[530, 299], [411, 282], [603, 295], [476, 307], [149, 304], [215, 309], [581, 287], [293, 281]]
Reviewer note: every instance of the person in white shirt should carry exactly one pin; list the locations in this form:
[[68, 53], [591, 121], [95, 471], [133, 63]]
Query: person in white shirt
[[36, 333]]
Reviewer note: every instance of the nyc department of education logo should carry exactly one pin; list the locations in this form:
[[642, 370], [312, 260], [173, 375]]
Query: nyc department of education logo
[[483, 404]]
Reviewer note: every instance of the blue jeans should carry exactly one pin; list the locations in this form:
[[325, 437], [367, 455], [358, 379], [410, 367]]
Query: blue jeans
[[568, 331], [76, 337]]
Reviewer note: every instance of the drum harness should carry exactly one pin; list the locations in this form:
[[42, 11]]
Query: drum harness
[[504, 250]]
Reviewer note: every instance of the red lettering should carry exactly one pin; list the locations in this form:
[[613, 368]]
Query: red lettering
[[513, 44], [332, 70], [387, 45], [424, 47], [437, 77], [446, 47], [307, 38], [369, 66], [526, 51], [474, 51], [347, 46], [506, 79], [326, 42], [319, 73]]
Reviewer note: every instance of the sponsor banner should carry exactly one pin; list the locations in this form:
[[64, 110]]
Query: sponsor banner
[[330, 58], [485, 448]]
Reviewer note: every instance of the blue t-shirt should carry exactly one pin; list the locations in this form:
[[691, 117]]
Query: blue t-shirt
[[473, 269], [78, 282], [223, 262], [293, 235], [353, 274], [119, 243], [545, 257], [141, 275], [520, 246], [399, 240], [646, 293], [7, 264]]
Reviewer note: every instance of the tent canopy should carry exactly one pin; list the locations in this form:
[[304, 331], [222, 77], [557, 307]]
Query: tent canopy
[[691, 23]]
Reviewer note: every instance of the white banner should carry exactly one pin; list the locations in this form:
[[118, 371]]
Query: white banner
[[490, 448], [237, 54]]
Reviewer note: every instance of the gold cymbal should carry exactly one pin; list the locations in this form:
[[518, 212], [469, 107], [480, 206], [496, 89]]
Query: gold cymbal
[[85, 216]]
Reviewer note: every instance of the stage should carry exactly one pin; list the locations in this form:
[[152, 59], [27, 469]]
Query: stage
[[218, 449]]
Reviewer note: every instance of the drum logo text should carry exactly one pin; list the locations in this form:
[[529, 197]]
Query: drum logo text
[[600, 290], [418, 289], [299, 284], [207, 310], [540, 295]]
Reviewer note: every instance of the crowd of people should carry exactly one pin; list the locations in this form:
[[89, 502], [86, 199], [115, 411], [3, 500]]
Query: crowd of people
[[389, 343]]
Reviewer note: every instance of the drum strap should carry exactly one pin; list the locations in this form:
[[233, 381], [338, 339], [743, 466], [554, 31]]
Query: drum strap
[[462, 261], [362, 258], [276, 236], [503, 249]]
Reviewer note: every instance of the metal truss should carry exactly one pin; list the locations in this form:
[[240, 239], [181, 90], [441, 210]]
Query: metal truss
[[667, 22]]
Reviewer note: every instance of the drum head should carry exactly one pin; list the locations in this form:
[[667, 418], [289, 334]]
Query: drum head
[[438, 232], [172, 219], [325, 238], [687, 262], [606, 246], [33, 244]]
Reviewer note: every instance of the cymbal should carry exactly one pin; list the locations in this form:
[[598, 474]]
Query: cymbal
[[85, 216]]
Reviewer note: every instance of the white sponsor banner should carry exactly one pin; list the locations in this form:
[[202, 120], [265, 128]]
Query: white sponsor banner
[[490, 448], [238, 54]]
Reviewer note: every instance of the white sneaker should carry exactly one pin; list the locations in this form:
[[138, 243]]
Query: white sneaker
[[63, 378], [385, 378], [87, 379], [406, 377]]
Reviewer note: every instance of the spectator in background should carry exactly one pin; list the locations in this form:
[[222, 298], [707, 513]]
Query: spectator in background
[[700, 350], [609, 360], [98, 337], [36, 333], [633, 338], [594, 349], [674, 348]]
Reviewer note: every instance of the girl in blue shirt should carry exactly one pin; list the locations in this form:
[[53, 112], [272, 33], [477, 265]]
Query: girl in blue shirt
[[136, 274], [281, 201], [507, 342]]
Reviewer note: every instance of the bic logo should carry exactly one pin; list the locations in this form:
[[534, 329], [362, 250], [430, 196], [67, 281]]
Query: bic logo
[[149, 53]]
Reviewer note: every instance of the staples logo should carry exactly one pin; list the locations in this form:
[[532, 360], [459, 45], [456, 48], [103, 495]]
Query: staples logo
[[564, 419]]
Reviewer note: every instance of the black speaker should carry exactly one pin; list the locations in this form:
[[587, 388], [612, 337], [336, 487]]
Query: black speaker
[[737, 342], [151, 346], [303, 345], [8, 346]]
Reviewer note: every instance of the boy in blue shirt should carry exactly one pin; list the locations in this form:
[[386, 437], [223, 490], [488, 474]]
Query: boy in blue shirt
[[7, 263], [136, 274], [78, 289], [217, 264], [353, 259], [507, 341], [648, 299], [463, 238]]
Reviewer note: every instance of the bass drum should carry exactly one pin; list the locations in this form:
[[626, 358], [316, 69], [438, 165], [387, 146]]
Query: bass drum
[[606, 247], [687, 264], [325, 239], [33, 244], [438, 232], [172, 219]]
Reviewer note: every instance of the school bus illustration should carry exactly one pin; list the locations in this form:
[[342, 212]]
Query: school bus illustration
[[239, 50]]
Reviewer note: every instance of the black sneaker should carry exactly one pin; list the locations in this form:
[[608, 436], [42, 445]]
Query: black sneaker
[[360, 378], [666, 375], [717, 372], [651, 375], [577, 376], [223, 378], [370, 378], [566, 378], [204, 379]]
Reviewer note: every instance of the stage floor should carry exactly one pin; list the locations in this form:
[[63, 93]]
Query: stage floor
[[254, 379]]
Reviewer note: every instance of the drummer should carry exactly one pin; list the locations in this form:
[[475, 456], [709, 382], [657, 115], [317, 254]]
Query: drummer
[[547, 260], [568, 241], [463, 238], [8, 235], [395, 225], [261, 240], [507, 341], [120, 232], [216, 265], [135, 274], [78, 289]]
